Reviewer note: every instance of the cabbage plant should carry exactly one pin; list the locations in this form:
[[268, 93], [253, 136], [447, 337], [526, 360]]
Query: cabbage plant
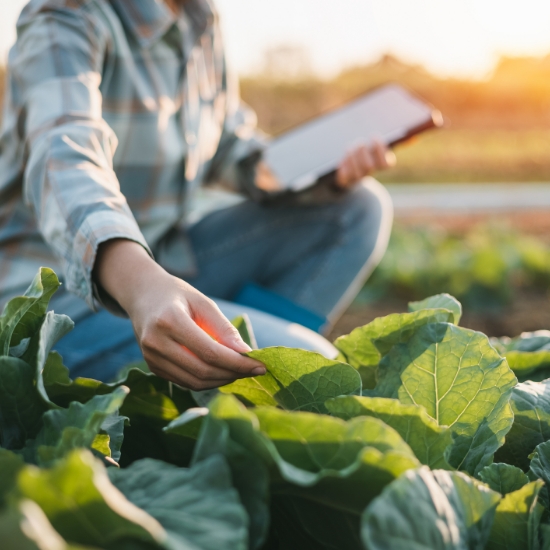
[[417, 436]]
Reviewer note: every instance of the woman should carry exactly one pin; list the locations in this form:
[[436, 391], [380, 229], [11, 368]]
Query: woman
[[119, 115]]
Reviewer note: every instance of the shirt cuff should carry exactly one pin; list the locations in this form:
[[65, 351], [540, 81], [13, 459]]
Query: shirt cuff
[[98, 228]]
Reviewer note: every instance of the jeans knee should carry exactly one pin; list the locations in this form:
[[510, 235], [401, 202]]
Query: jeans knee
[[370, 203]]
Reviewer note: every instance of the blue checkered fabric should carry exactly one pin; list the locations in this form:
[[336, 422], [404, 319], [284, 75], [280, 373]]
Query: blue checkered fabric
[[117, 113]]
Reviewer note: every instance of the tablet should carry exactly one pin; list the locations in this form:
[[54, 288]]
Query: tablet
[[314, 149]]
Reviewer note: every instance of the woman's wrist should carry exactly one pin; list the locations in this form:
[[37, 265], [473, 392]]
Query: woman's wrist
[[124, 270]]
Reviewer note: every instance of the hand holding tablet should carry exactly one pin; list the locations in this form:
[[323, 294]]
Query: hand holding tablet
[[343, 142]]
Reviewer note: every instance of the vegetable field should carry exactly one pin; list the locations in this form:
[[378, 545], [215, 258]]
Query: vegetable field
[[418, 436], [499, 273], [483, 266]]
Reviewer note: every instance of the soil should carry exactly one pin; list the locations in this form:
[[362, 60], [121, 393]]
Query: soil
[[528, 311]]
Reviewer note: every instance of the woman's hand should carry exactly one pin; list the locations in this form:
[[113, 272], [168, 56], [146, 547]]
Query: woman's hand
[[183, 335], [363, 161], [357, 164]]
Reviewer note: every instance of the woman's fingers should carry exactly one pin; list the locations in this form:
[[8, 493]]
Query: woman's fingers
[[171, 355], [384, 157], [188, 334], [365, 160], [343, 174], [266, 179], [356, 163], [208, 316], [362, 162], [185, 378]]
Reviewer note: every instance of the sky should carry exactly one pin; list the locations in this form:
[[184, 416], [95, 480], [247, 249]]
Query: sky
[[449, 37]]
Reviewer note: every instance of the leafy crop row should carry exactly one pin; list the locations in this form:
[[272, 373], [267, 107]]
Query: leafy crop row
[[418, 436], [483, 268]]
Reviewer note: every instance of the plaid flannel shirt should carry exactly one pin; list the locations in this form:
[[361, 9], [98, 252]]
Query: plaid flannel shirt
[[117, 112]]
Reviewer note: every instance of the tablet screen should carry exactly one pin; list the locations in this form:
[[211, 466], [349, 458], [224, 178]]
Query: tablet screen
[[389, 113]]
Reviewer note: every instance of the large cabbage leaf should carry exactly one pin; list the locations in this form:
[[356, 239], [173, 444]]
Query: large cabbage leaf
[[440, 301], [503, 478], [365, 346], [517, 520], [313, 462], [531, 405], [528, 354], [231, 430], [296, 380], [198, 507], [461, 381], [430, 510], [427, 439], [540, 469], [85, 508], [24, 526]]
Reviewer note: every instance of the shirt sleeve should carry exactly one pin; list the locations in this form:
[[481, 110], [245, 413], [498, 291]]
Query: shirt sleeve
[[69, 182], [241, 143]]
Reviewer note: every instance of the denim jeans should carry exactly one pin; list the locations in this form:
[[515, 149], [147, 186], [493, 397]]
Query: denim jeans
[[318, 256]]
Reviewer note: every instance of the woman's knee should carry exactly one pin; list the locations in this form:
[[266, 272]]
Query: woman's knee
[[369, 206]]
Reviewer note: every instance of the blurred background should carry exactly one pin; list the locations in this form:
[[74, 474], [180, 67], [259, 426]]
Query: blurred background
[[472, 200]]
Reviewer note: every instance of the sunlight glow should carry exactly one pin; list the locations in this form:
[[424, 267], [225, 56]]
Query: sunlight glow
[[450, 37]]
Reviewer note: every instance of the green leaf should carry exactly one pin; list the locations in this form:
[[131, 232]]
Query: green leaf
[[22, 316], [53, 328], [525, 364], [24, 526], [339, 464], [84, 508], [427, 440], [300, 524], [21, 407], [152, 403], [10, 464], [503, 478], [531, 406], [23, 397], [189, 423], [77, 426], [316, 461], [528, 354], [113, 427], [150, 396], [461, 381], [430, 510], [54, 373], [244, 326], [231, 430], [528, 341], [100, 444], [440, 301], [540, 469], [365, 346], [154, 398], [296, 380], [517, 519], [198, 507]]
